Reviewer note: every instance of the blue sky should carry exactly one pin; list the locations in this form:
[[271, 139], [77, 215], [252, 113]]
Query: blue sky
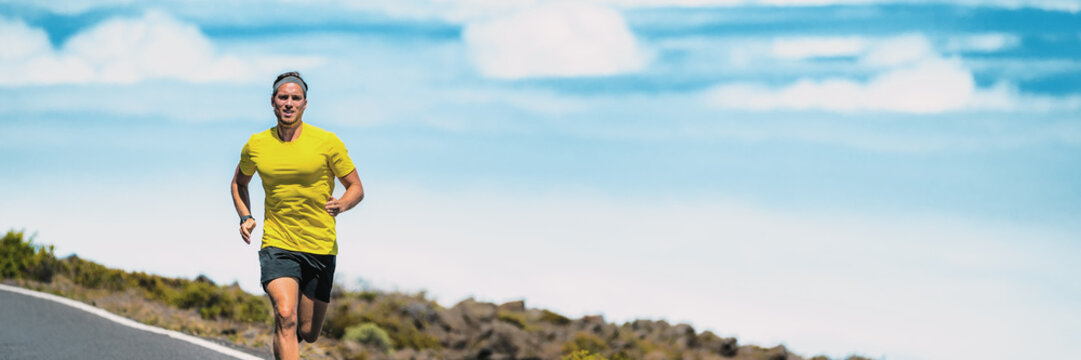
[[893, 178]]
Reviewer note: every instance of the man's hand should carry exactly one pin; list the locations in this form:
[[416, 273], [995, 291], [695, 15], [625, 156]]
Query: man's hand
[[246, 229], [334, 206]]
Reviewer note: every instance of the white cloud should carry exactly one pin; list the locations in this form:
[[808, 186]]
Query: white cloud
[[21, 41], [908, 75], [929, 86], [887, 51], [554, 40], [1072, 6], [991, 42], [898, 51], [1054, 5], [798, 48], [128, 50], [27, 57], [1006, 97]]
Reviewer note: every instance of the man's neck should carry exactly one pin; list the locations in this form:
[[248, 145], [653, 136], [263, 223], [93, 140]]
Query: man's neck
[[289, 133]]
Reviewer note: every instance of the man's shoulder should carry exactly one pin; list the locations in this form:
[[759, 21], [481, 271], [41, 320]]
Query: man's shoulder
[[316, 131], [261, 136]]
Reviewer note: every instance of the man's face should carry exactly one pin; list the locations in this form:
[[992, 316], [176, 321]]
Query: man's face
[[289, 104]]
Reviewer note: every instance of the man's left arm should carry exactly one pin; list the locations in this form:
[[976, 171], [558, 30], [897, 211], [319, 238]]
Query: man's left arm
[[354, 193]]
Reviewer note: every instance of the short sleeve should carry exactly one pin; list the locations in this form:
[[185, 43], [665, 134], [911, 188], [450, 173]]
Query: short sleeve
[[247, 166], [338, 157]]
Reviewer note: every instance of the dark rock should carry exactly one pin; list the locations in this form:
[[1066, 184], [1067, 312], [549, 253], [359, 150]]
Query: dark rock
[[476, 312], [640, 325], [682, 335], [515, 306], [776, 353], [203, 279], [503, 340], [729, 347], [593, 319], [453, 319], [421, 314]]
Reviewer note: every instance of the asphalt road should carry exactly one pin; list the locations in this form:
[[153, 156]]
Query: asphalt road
[[33, 328]]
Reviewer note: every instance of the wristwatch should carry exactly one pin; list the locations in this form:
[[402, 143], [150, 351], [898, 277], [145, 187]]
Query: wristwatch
[[245, 217]]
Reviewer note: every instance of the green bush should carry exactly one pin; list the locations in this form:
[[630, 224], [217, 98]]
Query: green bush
[[583, 355], [206, 298], [251, 308], [339, 318], [156, 287], [584, 341], [213, 302], [512, 318], [369, 334], [14, 255], [23, 259], [95, 276], [554, 318], [404, 332], [368, 295]]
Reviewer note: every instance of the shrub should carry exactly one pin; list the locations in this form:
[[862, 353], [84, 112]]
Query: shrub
[[206, 298], [387, 314], [369, 334], [213, 301], [583, 355], [515, 319], [407, 336], [94, 275], [585, 341], [340, 316], [22, 259], [250, 307], [14, 254], [155, 287], [368, 295], [554, 318]]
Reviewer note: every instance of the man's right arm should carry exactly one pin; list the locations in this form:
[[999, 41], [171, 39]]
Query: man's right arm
[[242, 202]]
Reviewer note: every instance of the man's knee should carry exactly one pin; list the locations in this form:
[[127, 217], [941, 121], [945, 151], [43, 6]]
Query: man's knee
[[285, 317]]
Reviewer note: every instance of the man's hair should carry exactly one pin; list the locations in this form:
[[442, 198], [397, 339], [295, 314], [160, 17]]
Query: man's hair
[[288, 74]]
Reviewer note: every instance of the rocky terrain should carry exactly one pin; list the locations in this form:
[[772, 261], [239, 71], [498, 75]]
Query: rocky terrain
[[368, 324]]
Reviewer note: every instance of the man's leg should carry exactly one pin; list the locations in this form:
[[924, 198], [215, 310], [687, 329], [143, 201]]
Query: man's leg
[[310, 316], [284, 293]]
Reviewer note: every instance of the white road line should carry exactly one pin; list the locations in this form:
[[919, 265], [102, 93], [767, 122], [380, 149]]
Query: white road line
[[131, 323]]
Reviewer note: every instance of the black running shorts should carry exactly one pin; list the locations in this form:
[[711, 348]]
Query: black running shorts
[[315, 273]]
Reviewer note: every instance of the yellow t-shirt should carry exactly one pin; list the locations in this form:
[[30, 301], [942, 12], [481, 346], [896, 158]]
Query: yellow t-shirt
[[298, 177]]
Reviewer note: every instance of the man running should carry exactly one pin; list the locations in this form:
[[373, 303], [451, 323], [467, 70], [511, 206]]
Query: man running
[[297, 163]]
